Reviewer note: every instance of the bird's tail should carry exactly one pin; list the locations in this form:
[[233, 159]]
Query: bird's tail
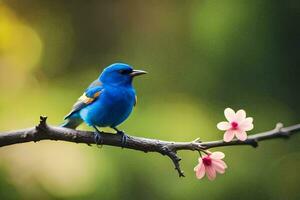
[[71, 123]]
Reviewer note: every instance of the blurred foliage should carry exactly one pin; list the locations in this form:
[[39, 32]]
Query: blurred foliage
[[202, 56]]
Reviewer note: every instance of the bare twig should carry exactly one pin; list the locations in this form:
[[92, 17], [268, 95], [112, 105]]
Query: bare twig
[[168, 148]]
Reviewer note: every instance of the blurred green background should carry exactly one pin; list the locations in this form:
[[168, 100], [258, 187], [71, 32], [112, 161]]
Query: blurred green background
[[202, 56]]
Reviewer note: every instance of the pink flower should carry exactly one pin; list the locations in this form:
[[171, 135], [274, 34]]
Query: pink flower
[[237, 125], [211, 164]]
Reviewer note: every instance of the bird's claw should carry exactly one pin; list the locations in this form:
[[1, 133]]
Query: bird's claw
[[124, 137], [98, 138]]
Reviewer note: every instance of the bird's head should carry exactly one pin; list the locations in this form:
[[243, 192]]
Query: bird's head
[[119, 74]]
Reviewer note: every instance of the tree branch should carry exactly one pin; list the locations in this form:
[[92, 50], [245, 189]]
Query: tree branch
[[168, 148]]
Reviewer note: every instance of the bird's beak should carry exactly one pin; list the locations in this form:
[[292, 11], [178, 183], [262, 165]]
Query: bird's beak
[[137, 72]]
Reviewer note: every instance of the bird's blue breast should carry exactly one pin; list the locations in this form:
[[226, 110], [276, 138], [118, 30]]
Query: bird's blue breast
[[112, 107]]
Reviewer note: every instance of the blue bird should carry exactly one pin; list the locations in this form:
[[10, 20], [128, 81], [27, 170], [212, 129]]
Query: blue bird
[[107, 102]]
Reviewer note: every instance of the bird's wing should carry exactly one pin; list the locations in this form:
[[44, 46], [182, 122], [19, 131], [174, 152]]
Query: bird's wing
[[95, 83], [88, 97]]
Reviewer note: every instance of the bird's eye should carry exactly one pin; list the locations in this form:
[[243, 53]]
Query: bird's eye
[[125, 71]]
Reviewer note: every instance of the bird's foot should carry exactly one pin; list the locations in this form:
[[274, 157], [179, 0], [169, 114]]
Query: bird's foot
[[98, 137], [124, 137]]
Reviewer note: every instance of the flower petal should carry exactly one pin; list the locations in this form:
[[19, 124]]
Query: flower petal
[[249, 120], [200, 160], [247, 124], [241, 135], [218, 167], [217, 155], [200, 171], [221, 162], [228, 136], [240, 116], [248, 127], [223, 126], [229, 114], [210, 172], [199, 164]]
